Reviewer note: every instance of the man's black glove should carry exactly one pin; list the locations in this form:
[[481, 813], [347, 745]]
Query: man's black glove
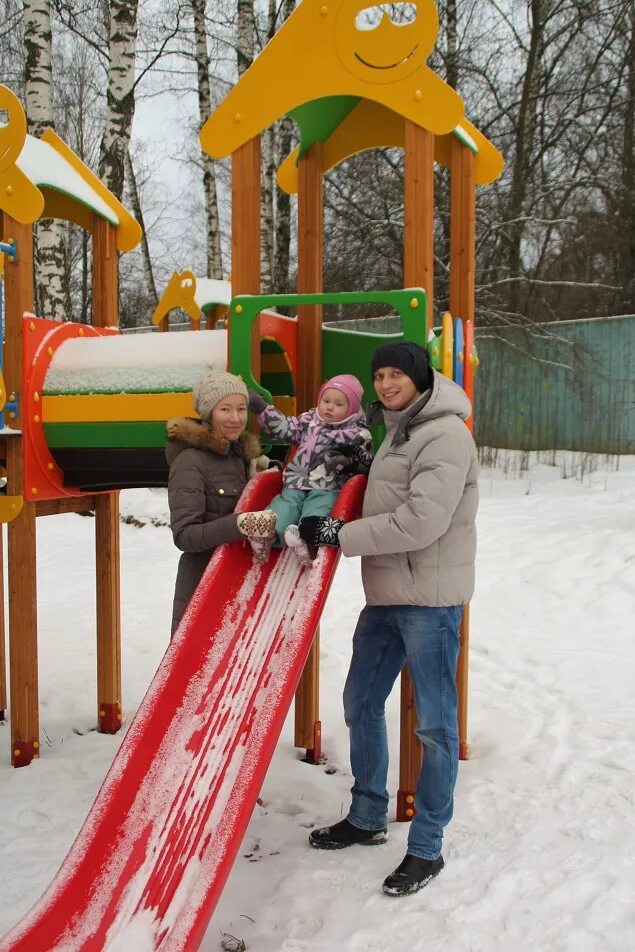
[[320, 530], [360, 459], [257, 403]]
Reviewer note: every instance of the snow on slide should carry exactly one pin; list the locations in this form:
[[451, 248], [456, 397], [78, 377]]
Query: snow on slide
[[151, 859]]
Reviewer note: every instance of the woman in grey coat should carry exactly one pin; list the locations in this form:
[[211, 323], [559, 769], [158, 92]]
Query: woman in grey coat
[[417, 540], [210, 460]]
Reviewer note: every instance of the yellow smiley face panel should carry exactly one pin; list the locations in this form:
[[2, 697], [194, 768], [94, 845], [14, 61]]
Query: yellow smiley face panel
[[339, 49]]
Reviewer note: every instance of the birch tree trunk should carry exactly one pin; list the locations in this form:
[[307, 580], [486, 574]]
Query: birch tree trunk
[[245, 29], [267, 236], [212, 224], [452, 60], [120, 96], [51, 295], [138, 214]]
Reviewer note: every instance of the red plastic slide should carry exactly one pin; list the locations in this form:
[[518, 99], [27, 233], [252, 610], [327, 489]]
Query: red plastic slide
[[151, 859]]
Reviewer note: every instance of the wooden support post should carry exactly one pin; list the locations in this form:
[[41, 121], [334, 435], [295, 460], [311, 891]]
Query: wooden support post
[[418, 253], [105, 313], [462, 231], [53, 507], [246, 232], [22, 574], [3, 655], [418, 272], [462, 285], [308, 730]]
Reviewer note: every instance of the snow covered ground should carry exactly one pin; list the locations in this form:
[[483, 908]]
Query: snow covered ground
[[540, 855]]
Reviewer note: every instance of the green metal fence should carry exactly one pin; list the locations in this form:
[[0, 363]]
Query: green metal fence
[[565, 385]]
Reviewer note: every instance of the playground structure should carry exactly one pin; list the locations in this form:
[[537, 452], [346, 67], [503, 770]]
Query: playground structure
[[43, 178], [349, 90], [56, 460]]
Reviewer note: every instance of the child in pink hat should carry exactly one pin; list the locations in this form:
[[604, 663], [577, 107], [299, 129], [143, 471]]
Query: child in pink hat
[[332, 442]]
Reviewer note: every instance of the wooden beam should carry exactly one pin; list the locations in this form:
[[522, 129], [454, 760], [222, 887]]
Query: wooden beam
[[310, 275], [308, 730], [245, 278], [418, 257], [22, 575], [462, 292], [462, 231], [108, 613], [107, 555], [53, 507]]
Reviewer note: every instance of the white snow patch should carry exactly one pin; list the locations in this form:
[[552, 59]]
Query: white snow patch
[[43, 165], [540, 854]]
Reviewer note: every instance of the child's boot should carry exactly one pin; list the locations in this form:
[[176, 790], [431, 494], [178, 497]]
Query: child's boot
[[259, 528], [299, 546]]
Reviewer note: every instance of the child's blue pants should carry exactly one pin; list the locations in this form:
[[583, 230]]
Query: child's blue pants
[[292, 505]]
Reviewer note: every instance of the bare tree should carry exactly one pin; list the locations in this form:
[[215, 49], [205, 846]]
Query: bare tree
[[267, 234], [138, 213], [282, 199], [212, 223], [12, 52], [51, 295], [626, 253], [78, 105]]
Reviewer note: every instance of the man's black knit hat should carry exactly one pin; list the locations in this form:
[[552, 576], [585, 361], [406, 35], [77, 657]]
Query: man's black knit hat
[[406, 356]]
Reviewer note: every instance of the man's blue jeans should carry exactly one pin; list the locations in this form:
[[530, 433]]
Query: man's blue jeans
[[427, 640]]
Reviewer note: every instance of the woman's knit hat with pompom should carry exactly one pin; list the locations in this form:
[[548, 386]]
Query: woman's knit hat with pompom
[[213, 388]]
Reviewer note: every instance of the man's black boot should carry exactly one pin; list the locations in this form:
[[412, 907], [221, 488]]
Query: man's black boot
[[412, 874], [344, 834]]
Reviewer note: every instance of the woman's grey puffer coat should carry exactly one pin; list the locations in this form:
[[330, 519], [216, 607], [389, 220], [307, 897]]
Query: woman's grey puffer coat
[[207, 475], [417, 534]]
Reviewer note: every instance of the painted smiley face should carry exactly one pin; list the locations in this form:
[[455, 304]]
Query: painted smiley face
[[383, 43]]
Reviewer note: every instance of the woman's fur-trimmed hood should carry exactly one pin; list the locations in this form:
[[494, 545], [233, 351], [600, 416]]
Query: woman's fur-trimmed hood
[[184, 432]]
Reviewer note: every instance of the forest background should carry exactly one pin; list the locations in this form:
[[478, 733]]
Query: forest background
[[128, 83]]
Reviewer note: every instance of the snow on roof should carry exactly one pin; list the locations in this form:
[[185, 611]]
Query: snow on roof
[[45, 167], [211, 291]]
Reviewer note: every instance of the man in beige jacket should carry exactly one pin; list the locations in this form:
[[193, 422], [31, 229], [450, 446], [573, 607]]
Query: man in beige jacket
[[417, 540]]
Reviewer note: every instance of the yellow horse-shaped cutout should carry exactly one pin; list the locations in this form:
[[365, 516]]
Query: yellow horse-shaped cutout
[[335, 48], [179, 292], [19, 198]]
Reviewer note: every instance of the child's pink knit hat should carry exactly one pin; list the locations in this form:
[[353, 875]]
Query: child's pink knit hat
[[349, 386]]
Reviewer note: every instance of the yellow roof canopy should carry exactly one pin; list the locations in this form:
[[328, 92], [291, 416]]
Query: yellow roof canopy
[[43, 178], [325, 49], [350, 77], [371, 126]]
